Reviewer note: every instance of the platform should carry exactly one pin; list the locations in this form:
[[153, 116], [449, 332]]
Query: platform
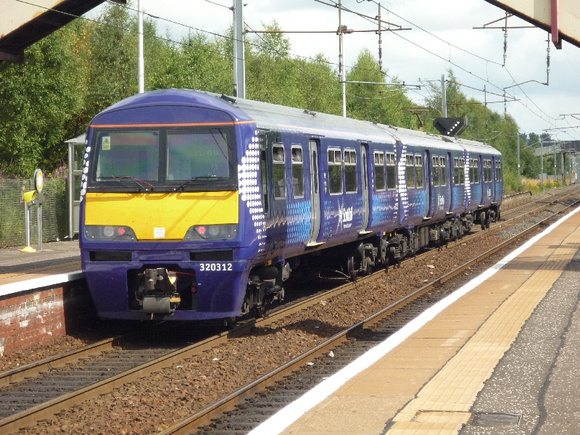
[[55, 258], [497, 356]]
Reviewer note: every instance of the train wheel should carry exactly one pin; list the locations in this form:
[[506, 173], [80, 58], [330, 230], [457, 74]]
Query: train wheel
[[351, 271], [230, 323], [259, 311], [368, 267]]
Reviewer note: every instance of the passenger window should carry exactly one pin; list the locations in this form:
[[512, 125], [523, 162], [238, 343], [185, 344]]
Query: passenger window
[[297, 172], [410, 171], [474, 171], [391, 171], [335, 170], [498, 172], [443, 166], [487, 171], [419, 170], [278, 171], [350, 180], [436, 170], [380, 182], [458, 171]]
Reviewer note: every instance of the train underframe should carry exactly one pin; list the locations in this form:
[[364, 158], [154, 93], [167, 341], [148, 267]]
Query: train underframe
[[265, 284]]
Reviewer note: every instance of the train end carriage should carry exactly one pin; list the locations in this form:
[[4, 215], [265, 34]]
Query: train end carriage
[[432, 189], [485, 177]]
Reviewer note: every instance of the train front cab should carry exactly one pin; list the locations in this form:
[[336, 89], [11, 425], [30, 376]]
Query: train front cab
[[159, 241]]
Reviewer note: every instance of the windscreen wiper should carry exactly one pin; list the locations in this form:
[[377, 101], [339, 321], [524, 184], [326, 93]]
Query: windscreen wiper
[[142, 184], [198, 178]]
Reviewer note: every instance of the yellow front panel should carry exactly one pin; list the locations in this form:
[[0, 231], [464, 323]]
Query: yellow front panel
[[161, 216]]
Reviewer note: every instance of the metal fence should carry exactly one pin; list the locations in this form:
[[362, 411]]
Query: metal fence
[[12, 212]]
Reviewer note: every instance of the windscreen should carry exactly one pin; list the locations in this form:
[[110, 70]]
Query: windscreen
[[166, 157]]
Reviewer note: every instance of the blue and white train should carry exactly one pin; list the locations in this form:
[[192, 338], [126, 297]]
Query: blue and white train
[[199, 206]]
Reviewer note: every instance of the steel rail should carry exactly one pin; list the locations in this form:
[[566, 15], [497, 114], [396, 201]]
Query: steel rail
[[34, 369]]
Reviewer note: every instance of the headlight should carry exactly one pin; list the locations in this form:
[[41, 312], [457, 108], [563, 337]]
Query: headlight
[[211, 232], [110, 233]]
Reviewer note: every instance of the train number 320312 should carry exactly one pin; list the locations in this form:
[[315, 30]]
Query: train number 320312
[[216, 267]]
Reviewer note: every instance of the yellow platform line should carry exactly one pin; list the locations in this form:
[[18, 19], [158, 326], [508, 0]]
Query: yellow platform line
[[442, 405]]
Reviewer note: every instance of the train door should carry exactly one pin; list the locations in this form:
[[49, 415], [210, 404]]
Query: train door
[[431, 181], [495, 178], [314, 191], [365, 187], [420, 167], [445, 181], [449, 172], [481, 196]]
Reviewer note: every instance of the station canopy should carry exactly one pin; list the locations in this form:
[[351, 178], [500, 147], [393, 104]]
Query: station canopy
[[559, 17], [24, 23]]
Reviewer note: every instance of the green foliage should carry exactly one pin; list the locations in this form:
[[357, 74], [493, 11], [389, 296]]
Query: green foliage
[[272, 75], [112, 57], [40, 100], [371, 99]]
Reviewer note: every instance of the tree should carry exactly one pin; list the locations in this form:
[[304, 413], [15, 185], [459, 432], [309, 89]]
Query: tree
[[40, 100], [372, 99], [112, 51]]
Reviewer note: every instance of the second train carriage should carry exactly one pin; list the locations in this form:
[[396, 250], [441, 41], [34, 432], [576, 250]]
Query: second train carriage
[[198, 206]]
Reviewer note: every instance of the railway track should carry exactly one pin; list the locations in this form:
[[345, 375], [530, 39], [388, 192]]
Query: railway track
[[12, 381]]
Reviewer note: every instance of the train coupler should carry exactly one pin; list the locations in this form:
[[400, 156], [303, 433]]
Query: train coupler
[[158, 291]]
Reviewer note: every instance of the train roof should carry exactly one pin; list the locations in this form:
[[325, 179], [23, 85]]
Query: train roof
[[273, 116], [277, 117]]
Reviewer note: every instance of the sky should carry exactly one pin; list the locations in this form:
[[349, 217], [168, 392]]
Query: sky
[[442, 35]]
